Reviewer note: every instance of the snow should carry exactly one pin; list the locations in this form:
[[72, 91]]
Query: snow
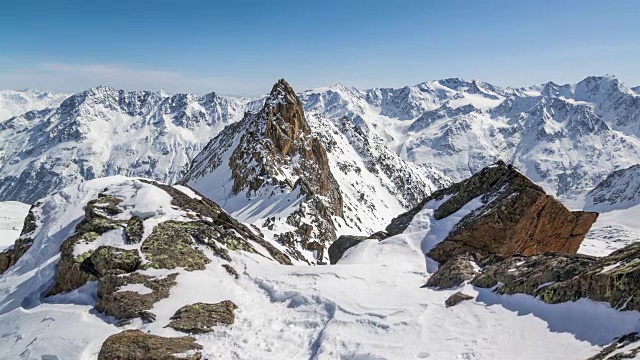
[[13, 103], [609, 267], [368, 306], [139, 288], [12, 214]]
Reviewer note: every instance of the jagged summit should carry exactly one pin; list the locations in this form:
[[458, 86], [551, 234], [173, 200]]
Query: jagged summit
[[303, 178]]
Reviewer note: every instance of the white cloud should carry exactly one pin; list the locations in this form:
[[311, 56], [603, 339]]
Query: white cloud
[[78, 77]]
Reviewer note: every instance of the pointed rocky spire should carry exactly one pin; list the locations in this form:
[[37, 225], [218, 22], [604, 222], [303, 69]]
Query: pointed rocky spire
[[284, 114]]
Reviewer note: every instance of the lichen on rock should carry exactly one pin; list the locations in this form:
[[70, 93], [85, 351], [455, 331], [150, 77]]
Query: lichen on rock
[[201, 317], [125, 305], [134, 344]]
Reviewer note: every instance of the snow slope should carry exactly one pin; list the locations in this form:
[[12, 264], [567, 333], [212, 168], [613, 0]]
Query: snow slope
[[17, 102], [369, 306], [617, 199], [12, 214]]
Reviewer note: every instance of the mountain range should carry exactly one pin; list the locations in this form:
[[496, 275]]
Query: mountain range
[[568, 138], [157, 216]]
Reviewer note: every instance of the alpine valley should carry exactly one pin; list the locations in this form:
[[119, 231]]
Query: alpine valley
[[451, 219]]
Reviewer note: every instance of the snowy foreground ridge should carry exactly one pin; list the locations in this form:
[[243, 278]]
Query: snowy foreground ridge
[[369, 306]]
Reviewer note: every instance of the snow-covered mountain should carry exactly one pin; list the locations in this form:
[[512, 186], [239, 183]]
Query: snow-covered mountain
[[567, 138], [17, 102], [304, 179], [104, 131]]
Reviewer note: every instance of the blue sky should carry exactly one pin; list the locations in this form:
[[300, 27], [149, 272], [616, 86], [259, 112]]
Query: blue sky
[[242, 47]]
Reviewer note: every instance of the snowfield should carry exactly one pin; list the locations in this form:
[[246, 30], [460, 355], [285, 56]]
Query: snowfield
[[12, 215], [368, 306]]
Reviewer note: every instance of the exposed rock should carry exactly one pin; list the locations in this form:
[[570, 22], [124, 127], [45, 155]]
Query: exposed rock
[[171, 245], [106, 258], [125, 305], [136, 345], [614, 279], [625, 347], [97, 215], [201, 317], [217, 219], [452, 273], [276, 154], [457, 298], [69, 273], [515, 216], [134, 230], [10, 256], [342, 244], [530, 274], [556, 278], [231, 270], [74, 271]]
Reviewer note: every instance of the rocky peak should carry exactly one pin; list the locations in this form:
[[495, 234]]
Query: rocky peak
[[271, 154], [284, 115]]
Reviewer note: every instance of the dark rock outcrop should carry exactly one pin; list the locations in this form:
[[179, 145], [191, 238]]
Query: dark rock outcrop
[[125, 305], [342, 244], [624, 347], [514, 216], [457, 298], [74, 271], [11, 255], [452, 273], [230, 270], [557, 277], [136, 345], [134, 230], [201, 317]]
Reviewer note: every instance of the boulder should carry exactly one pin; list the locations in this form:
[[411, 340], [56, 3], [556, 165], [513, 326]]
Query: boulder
[[134, 230], [513, 216], [457, 298], [136, 345], [229, 269], [452, 274], [106, 258], [201, 317], [342, 244], [124, 305]]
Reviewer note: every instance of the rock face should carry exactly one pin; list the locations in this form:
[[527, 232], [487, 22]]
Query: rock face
[[457, 298], [452, 273], [275, 154], [513, 216], [136, 345], [124, 305], [342, 244], [201, 317], [11, 255], [557, 277], [346, 242], [625, 347]]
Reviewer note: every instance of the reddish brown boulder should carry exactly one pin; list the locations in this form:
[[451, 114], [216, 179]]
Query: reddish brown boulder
[[517, 217]]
